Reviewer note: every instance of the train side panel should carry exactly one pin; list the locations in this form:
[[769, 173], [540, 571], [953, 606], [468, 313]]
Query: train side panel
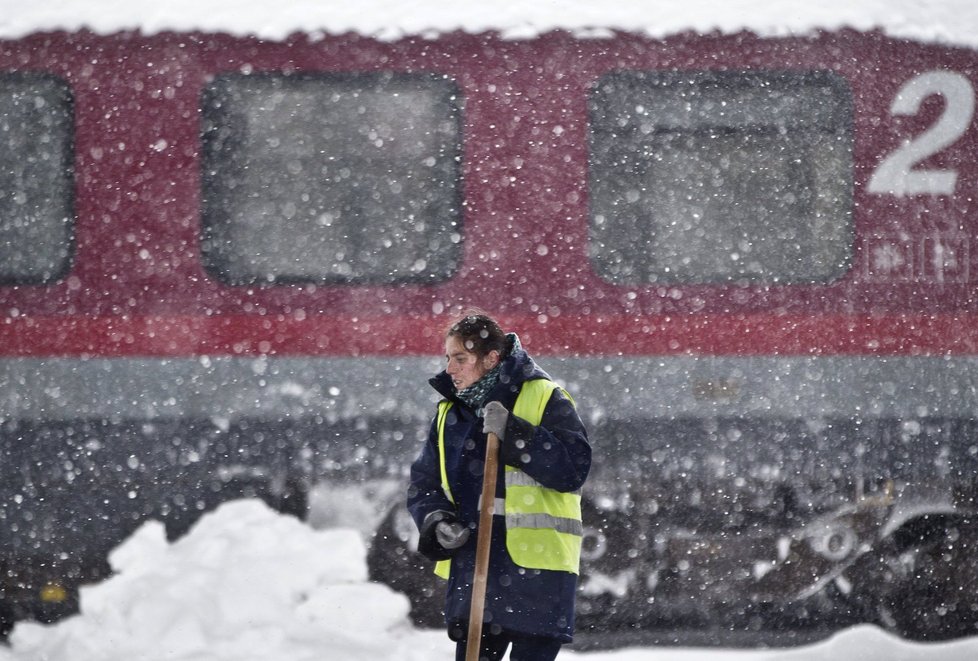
[[227, 263]]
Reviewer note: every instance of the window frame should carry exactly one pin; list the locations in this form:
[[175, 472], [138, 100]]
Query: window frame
[[67, 170], [842, 128], [216, 261]]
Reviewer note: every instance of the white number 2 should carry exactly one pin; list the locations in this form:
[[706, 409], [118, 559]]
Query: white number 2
[[896, 174]]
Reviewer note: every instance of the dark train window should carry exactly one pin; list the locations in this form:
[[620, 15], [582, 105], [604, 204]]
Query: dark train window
[[36, 178], [718, 177], [333, 178]]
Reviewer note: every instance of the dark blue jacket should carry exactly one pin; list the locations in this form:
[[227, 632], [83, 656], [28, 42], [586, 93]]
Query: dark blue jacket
[[556, 454]]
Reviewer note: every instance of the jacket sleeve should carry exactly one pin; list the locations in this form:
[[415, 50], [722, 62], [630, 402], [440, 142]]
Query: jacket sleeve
[[425, 495], [556, 453]]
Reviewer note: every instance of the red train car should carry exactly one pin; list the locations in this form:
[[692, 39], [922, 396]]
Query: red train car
[[226, 264]]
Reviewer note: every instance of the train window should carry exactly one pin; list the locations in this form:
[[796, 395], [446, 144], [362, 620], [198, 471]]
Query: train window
[[36, 178], [334, 178], [716, 177]]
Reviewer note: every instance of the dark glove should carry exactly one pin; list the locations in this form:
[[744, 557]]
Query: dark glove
[[429, 542], [451, 534], [494, 417]]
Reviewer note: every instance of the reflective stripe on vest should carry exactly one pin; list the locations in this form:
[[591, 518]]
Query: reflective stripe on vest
[[543, 526], [443, 567]]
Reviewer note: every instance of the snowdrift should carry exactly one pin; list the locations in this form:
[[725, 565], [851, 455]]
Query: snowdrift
[[249, 584], [245, 583]]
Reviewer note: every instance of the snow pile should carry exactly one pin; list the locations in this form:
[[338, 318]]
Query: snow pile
[[246, 583]]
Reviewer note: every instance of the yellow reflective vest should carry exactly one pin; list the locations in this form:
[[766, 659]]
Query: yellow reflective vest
[[543, 526]]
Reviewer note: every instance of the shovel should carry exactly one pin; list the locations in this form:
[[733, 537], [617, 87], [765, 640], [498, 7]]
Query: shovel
[[486, 511]]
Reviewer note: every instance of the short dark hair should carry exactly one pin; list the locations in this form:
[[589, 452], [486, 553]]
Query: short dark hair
[[479, 333]]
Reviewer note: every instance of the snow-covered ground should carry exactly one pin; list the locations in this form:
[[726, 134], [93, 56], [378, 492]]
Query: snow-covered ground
[[248, 584]]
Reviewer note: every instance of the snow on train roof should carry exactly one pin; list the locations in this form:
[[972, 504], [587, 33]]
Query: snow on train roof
[[951, 22]]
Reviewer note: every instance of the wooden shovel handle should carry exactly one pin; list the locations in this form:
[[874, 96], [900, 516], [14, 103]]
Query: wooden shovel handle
[[483, 538]]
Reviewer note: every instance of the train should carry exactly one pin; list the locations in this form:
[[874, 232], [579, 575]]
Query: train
[[227, 263]]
